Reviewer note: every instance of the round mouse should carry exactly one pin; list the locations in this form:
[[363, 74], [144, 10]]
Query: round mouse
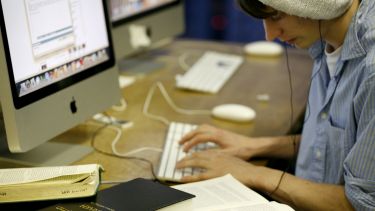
[[234, 112], [263, 48]]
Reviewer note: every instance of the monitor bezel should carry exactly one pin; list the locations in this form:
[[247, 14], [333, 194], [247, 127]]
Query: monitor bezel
[[120, 22], [22, 101]]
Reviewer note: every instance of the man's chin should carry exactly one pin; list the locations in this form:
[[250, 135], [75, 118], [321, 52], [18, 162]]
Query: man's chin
[[301, 46], [304, 44], [300, 43]]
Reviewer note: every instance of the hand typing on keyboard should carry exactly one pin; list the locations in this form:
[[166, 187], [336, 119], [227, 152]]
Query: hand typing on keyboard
[[185, 139], [230, 155], [215, 164], [173, 152], [225, 141]]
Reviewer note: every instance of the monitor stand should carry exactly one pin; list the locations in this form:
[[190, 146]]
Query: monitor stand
[[145, 60], [140, 64], [47, 154]]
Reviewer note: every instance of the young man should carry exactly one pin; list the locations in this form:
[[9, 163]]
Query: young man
[[335, 167]]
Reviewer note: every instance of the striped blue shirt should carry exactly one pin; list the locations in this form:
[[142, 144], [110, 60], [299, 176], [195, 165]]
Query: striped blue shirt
[[338, 138]]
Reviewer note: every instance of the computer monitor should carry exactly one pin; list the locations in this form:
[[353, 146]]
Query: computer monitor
[[141, 25], [57, 70]]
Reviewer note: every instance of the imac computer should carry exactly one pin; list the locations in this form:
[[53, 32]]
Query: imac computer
[[141, 25], [56, 71]]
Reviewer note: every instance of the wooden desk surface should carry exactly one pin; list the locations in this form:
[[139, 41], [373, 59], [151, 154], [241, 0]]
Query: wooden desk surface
[[255, 76]]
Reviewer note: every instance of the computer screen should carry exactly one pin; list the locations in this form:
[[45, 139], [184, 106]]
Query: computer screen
[[141, 25], [121, 9], [57, 67]]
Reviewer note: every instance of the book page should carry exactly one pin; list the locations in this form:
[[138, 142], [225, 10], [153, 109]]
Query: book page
[[271, 206], [60, 180], [27, 175], [227, 193]]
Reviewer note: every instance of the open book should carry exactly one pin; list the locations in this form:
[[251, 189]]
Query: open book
[[45, 183], [227, 193]]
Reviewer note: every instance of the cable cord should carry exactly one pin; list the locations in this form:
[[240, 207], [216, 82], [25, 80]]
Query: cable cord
[[117, 154], [182, 60], [122, 107], [114, 142], [293, 137], [317, 72], [170, 103], [147, 104]]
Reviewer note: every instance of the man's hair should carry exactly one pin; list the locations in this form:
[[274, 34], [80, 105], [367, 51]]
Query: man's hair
[[256, 8]]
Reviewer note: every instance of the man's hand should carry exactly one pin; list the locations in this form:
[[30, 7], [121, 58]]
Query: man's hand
[[217, 164], [229, 143]]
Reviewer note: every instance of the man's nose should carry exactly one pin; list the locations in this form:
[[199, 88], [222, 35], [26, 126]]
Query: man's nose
[[271, 29]]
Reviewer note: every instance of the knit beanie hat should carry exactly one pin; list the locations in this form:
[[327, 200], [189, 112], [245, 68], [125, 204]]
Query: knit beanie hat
[[313, 9]]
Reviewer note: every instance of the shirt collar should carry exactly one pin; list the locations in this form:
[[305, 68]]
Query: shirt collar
[[352, 47], [316, 49]]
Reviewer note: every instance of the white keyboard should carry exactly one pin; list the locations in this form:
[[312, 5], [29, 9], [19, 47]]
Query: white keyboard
[[173, 152], [210, 72]]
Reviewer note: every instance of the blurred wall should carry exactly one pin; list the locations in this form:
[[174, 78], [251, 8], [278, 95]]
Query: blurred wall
[[220, 20]]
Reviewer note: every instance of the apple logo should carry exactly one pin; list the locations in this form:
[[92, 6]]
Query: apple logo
[[73, 106]]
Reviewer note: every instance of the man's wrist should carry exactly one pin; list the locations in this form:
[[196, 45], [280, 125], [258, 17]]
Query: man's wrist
[[265, 179], [262, 149]]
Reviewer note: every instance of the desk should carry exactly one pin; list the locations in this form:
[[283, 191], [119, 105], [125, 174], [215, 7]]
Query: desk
[[255, 76]]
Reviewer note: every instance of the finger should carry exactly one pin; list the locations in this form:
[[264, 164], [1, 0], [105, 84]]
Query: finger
[[185, 163], [190, 136], [191, 178], [199, 139], [194, 142], [187, 137], [197, 177], [196, 160], [201, 129]]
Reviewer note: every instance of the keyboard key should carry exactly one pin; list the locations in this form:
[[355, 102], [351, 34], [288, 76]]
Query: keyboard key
[[173, 152]]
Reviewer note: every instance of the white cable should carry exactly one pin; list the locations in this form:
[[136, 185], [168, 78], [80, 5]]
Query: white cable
[[117, 138], [131, 153], [170, 103], [147, 104], [176, 108], [122, 106], [182, 61], [127, 154], [106, 119]]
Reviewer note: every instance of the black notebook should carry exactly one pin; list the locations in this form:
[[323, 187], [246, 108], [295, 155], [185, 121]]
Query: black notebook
[[138, 194]]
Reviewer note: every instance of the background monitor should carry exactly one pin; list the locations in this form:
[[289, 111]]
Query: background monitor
[[141, 25], [56, 62]]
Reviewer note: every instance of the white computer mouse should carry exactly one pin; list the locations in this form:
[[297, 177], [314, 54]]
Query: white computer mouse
[[263, 48], [234, 112]]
